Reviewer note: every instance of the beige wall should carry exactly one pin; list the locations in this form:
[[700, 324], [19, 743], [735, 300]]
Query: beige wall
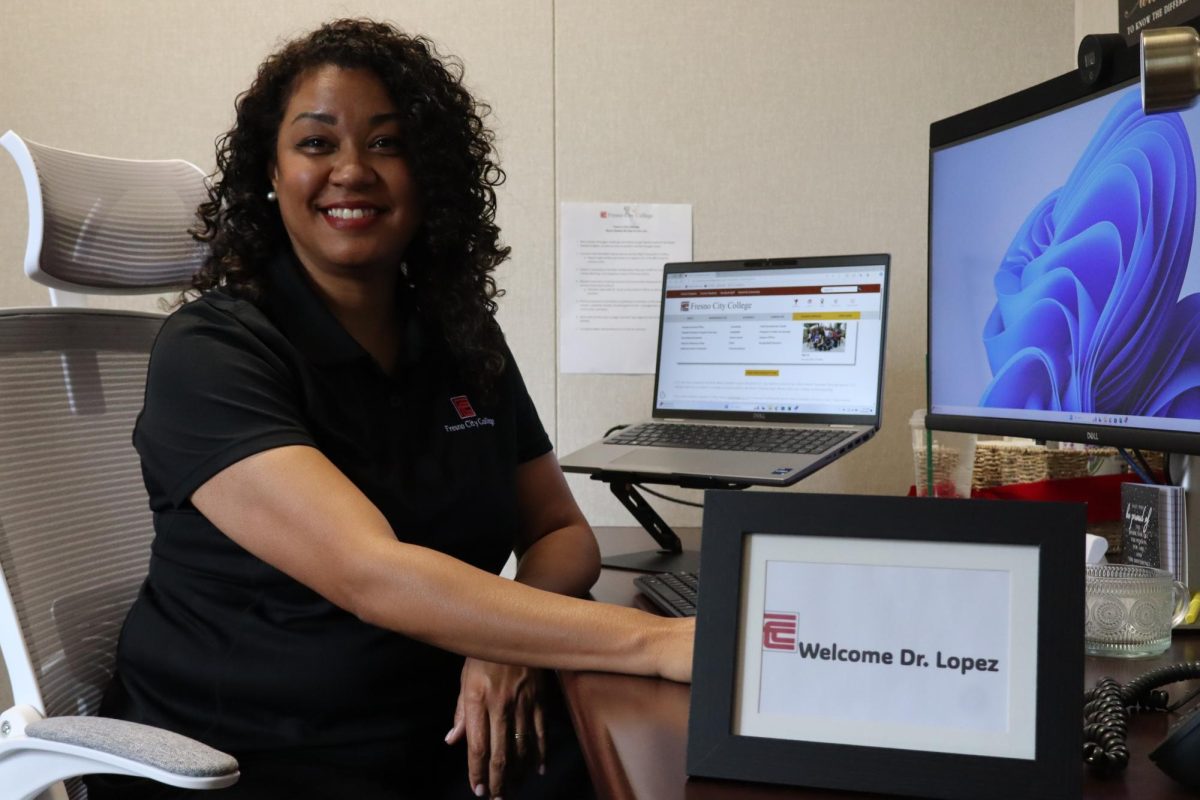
[[794, 127], [1095, 16], [153, 79]]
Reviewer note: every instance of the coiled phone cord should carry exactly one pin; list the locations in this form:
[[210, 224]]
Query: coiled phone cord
[[1106, 712]]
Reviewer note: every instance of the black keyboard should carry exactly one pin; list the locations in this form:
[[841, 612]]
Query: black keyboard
[[675, 593], [730, 437]]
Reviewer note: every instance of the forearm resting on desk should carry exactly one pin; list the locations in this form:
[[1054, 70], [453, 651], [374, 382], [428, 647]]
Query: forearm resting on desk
[[481, 615], [293, 509]]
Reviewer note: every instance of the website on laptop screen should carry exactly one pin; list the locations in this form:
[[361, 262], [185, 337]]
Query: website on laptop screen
[[775, 340]]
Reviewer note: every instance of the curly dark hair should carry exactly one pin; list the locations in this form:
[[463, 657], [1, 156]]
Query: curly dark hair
[[450, 156]]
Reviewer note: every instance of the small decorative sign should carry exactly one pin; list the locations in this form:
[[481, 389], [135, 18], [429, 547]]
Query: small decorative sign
[[1153, 529], [905, 646], [1134, 16], [1140, 524]]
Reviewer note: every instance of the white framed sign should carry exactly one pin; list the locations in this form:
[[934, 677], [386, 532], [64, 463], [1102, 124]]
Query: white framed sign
[[840, 632]]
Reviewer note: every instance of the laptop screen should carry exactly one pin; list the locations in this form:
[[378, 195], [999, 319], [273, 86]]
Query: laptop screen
[[785, 339]]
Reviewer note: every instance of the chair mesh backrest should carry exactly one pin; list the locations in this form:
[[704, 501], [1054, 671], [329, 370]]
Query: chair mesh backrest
[[75, 527], [112, 224]]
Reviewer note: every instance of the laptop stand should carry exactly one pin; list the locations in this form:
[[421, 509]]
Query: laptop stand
[[670, 557]]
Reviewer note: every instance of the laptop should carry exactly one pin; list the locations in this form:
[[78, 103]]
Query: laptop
[[767, 371]]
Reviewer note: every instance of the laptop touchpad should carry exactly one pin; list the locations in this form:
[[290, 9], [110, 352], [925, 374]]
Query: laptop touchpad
[[647, 457], [685, 462]]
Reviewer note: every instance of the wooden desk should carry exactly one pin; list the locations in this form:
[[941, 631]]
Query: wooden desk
[[634, 730]]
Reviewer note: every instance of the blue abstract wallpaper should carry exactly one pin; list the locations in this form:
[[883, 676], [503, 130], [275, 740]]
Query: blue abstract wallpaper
[[1062, 260], [1087, 315]]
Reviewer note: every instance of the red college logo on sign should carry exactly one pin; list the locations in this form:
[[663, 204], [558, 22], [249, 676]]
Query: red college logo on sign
[[463, 406], [779, 631]]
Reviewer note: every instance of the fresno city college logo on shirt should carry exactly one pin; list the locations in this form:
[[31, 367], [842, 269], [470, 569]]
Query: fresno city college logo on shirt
[[463, 406], [779, 631], [466, 413]]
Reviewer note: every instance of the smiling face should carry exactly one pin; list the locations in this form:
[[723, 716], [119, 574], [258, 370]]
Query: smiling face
[[345, 193]]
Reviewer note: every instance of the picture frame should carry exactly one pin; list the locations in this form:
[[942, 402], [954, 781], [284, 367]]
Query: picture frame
[[829, 695]]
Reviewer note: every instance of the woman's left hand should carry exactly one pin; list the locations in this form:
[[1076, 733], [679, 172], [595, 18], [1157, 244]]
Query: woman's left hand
[[499, 712]]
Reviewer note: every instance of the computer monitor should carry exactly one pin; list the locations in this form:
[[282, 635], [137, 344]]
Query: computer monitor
[[1064, 271]]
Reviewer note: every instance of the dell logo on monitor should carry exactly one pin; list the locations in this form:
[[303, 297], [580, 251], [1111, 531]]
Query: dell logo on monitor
[[1092, 436], [758, 416]]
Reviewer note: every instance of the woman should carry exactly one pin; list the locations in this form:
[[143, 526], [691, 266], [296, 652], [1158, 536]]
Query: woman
[[340, 454]]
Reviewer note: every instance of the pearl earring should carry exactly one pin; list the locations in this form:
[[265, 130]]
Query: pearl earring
[[271, 196]]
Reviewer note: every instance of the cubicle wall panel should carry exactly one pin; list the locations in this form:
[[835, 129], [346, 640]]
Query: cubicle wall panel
[[143, 79], [1095, 16], [793, 129]]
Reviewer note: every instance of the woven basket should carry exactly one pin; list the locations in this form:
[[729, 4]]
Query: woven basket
[[1001, 462], [998, 463], [1067, 463], [1155, 460]]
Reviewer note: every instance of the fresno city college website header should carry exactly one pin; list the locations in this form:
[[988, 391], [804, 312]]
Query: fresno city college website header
[[800, 341]]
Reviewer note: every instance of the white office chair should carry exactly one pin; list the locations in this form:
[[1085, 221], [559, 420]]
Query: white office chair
[[75, 527]]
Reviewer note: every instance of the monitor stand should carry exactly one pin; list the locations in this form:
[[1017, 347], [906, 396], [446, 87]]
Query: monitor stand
[[670, 557]]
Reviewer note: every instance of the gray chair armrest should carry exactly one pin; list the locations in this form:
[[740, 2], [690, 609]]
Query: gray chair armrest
[[37, 753], [143, 744]]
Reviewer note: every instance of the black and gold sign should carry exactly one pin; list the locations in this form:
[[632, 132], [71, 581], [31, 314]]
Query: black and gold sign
[[1134, 16]]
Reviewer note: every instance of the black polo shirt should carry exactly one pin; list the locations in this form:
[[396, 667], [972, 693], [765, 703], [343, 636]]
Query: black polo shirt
[[225, 648]]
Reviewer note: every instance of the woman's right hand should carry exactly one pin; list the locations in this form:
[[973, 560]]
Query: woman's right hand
[[675, 648]]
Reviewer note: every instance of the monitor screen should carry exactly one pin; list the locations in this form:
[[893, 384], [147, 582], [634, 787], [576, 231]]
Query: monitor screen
[[803, 337], [1064, 284]]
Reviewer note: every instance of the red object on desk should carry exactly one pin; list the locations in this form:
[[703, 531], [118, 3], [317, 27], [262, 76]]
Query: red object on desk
[[1102, 493]]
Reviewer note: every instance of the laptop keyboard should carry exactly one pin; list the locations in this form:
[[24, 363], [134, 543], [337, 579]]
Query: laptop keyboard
[[674, 593], [730, 437]]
